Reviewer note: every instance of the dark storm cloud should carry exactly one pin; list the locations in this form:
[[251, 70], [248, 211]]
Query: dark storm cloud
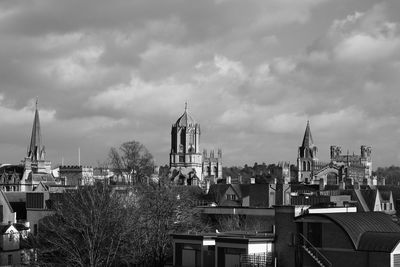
[[111, 71]]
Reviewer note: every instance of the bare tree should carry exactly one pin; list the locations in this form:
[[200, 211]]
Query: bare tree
[[90, 227], [165, 209], [132, 160]]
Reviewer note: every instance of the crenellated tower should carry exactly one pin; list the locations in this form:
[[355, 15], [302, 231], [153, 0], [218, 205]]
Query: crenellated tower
[[212, 165], [307, 156]]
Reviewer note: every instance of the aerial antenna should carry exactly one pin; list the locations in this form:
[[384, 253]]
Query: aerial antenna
[[79, 156]]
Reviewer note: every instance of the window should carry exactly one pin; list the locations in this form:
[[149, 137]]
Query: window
[[304, 166], [308, 166], [231, 197], [35, 229], [9, 259], [181, 158]]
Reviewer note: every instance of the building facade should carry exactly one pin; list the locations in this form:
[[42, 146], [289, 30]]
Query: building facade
[[212, 165], [36, 168], [343, 169], [307, 156]]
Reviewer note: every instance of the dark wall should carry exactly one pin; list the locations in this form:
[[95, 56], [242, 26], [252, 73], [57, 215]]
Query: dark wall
[[285, 229]]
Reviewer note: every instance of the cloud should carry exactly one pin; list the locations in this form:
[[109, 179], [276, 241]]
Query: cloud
[[253, 73]]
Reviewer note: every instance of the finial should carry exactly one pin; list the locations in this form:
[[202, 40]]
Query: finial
[[186, 106], [37, 100]]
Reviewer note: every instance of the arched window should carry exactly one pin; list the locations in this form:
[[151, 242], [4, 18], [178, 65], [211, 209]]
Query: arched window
[[308, 166], [304, 166]]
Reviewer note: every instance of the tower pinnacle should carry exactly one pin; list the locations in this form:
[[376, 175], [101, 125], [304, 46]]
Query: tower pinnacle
[[307, 140], [35, 149]]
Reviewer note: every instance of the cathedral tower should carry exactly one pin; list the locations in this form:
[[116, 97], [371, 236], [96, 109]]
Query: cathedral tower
[[185, 157], [307, 156], [35, 164]]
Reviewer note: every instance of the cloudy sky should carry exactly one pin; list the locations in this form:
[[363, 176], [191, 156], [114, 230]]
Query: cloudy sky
[[253, 73]]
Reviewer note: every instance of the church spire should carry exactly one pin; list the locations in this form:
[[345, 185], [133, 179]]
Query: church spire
[[307, 140], [35, 149]]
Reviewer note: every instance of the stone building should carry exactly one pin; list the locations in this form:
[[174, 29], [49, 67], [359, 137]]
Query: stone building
[[76, 175], [36, 168], [212, 165], [33, 169], [343, 169], [307, 156], [188, 165]]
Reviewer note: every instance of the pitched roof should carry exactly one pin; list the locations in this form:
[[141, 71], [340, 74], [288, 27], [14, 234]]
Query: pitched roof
[[6, 200], [356, 224], [257, 193], [217, 190], [307, 139], [369, 196], [4, 228], [20, 226], [385, 195]]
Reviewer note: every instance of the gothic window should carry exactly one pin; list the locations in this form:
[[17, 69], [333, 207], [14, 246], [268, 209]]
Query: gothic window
[[191, 137], [308, 166], [304, 166]]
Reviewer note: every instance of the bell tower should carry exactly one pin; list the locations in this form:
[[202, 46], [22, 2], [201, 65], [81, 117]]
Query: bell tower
[[185, 156], [35, 161], [307, 156]]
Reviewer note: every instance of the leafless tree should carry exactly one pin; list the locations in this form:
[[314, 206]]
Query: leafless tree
[[90, 227], [132, 160], [164, 210]]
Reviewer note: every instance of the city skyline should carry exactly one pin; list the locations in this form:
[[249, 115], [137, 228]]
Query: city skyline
[[252, 73]]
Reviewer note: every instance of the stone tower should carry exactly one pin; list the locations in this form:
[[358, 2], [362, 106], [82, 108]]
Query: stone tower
[[35, 161], [366, 160], [212, 165], [185, 156], [307, 156]]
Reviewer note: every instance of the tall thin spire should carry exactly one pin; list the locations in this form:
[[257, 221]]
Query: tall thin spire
[[307, 140], [35, 148]]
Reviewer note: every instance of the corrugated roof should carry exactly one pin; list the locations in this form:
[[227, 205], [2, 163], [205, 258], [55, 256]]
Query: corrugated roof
[[356, 224], [375, 241]]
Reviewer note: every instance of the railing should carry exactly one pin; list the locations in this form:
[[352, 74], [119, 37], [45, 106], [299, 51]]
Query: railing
[[257, 260], [314, 252]]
